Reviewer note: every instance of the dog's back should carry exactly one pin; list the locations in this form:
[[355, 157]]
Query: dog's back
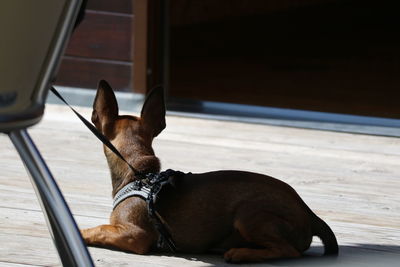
[[210, 203]]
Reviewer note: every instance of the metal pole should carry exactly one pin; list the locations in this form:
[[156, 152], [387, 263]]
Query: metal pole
[[63, 229]]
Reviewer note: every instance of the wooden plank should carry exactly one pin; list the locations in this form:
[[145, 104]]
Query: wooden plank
[[40, 252], [10, 264], [86, 73], [27, 250], [105, 34], [117, 6], [102, 36], [44, 254], [350, 180]]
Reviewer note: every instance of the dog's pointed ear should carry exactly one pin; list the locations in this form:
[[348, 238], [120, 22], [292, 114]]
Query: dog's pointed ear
[[153, 111], [105, 106]]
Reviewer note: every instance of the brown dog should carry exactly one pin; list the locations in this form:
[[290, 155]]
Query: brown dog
[[248, 216]]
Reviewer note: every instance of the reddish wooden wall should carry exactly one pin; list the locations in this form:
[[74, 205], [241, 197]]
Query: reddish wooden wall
[[101, 47]]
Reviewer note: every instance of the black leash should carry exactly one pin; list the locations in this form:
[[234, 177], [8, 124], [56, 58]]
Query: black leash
[[96, 132], [157, 181]]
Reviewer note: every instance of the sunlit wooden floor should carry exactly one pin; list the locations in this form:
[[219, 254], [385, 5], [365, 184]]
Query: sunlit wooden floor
[[352, 181]]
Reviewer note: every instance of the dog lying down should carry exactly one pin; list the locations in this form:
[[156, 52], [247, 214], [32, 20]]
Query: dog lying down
[[249, 217]]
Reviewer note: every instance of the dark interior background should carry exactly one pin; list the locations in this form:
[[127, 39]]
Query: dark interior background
[[334, 56], [326, 55]]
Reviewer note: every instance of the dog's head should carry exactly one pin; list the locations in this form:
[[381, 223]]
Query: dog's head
[[107, 120], [131, 135]]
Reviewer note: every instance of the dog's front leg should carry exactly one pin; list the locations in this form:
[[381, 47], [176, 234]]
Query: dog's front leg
[[130, 238]]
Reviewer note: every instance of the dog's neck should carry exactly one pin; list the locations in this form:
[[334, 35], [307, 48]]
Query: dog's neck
[[121, 174]]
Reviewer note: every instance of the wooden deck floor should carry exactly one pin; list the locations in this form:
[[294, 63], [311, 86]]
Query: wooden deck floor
[[351, 181]]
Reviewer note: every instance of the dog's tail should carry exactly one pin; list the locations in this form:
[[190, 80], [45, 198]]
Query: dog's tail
[[325, 233]]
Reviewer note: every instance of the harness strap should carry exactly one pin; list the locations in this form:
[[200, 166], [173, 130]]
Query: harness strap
[[148, 189], [131, 190], [158, 181], [96, 132]]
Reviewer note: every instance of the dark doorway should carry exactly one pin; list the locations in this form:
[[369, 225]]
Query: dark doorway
[[331, 56]]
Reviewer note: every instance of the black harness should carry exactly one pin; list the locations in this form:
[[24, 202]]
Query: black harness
[[148, 189]]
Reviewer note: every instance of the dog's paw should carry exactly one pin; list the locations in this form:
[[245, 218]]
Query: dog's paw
[[84, 234], [236, 255]]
